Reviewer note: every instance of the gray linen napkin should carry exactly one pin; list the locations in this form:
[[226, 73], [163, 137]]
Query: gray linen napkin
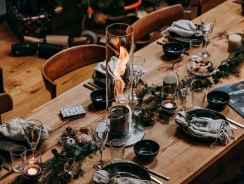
[[217, 129], [13, 130], [101, 177], [182, 27], [101, 67]]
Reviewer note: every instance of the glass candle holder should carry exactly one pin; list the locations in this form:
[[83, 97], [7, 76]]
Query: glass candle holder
[[169, 99], [119, 54]]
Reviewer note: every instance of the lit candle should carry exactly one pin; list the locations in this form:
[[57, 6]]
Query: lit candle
[[169, 105], [32, 171], [234, 42]]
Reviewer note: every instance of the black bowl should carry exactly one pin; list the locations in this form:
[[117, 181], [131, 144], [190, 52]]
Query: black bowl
[[146, 150], [173, 50], [98, 98], [218, 100]]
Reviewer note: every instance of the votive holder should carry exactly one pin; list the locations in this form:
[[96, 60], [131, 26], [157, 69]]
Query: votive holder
[[32, 169], [169, 99]]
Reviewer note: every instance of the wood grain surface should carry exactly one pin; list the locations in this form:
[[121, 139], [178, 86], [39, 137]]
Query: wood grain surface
[[180, 158]]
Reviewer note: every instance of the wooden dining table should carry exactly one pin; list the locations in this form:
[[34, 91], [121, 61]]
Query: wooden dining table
[[182, 159]]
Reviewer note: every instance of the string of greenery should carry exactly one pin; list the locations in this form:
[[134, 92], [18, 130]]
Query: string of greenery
[[52, 169], [229, 66], [150, 109]]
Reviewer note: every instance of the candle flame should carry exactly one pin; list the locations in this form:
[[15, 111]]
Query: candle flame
[[120, 68]]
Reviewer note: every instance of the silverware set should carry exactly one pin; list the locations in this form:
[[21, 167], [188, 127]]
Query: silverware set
[[152, 172]]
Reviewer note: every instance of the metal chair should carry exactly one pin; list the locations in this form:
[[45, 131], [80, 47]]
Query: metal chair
[[69, 60]]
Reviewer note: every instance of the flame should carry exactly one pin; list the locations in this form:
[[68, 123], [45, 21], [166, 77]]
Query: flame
[[120, 68]]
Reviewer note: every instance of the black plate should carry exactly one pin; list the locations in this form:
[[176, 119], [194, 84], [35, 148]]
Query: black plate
[[185, 40], [202, 113], [128, 170]]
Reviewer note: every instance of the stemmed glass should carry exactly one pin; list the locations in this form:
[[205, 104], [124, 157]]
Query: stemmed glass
[[184, 84], [137, 67], [100, 130], [207, 24], [32, 129]]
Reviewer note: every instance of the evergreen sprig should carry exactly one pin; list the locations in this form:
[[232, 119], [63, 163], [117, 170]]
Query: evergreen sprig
[[54, 166], [229, 66]]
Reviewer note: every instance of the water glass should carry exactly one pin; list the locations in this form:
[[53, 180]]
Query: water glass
[[16, 154], [117, 150], [198, 98], [195, 49]]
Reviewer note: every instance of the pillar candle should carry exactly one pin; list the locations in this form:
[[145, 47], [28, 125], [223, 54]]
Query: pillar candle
[[234, 42]]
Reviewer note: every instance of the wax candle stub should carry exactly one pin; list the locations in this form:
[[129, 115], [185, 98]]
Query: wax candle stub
[[168, 105], [234, 42], [32, 171]]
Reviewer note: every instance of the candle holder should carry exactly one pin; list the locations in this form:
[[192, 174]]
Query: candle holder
[[169, 99], [32, 160], [119, 56]]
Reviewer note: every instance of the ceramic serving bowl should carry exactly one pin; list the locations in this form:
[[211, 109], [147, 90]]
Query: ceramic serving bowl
[[146, 150], [218, 100]]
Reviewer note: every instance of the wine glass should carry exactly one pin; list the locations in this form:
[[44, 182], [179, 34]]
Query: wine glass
[[207, 24], [184, 84], [137, 67], [32, 130], [100, 130]]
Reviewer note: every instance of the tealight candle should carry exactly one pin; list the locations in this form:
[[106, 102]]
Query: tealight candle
[[169, 105], [234, 42], [32, 171]]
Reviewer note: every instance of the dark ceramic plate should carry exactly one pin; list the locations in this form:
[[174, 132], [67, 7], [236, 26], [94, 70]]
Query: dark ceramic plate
[[128, 170], [184, 40], [199, 74], [204, 113]]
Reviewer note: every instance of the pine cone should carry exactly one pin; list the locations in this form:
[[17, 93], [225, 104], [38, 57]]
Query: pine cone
[[64, 177], [148, 119]]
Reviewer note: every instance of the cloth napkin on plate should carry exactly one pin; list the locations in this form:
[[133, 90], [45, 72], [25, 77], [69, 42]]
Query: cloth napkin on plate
[[102, 177], [101, 67], [217, 129], [182, 27], [13, 130]]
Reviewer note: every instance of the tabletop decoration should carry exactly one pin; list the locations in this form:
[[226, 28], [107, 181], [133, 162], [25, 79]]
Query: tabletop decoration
[[229, 66], [54, 170], [150, 106]]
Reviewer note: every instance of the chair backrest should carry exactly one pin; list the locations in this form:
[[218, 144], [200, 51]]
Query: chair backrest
[[156, 20], [205, 5], [6, 104], [69, 60]]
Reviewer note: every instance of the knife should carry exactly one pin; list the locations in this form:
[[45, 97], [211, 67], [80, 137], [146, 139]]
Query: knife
[[152, 171], [234, 122]]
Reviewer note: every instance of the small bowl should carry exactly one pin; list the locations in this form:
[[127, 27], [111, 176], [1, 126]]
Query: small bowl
[[98, 98], [146, 150], [173, 50], [218, 100]]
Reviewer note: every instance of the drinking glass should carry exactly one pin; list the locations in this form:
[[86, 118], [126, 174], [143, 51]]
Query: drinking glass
[[184, 84], [16, 153], [195, 49], [100, 130], [117, 150], [207, 24], [32, 129], [198, 98]]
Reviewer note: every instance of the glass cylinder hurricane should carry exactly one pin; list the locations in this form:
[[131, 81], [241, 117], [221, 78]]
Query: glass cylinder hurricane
[[119, 54]]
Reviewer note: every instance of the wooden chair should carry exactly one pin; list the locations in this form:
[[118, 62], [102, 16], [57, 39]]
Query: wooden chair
[[156, 20], [206, 5], [6, 104], [69, 60]]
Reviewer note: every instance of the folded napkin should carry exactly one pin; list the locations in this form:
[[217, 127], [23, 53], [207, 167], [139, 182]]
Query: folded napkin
[[182, 27], [13, 130], [102, 177], [217, 129], [101, 67]]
